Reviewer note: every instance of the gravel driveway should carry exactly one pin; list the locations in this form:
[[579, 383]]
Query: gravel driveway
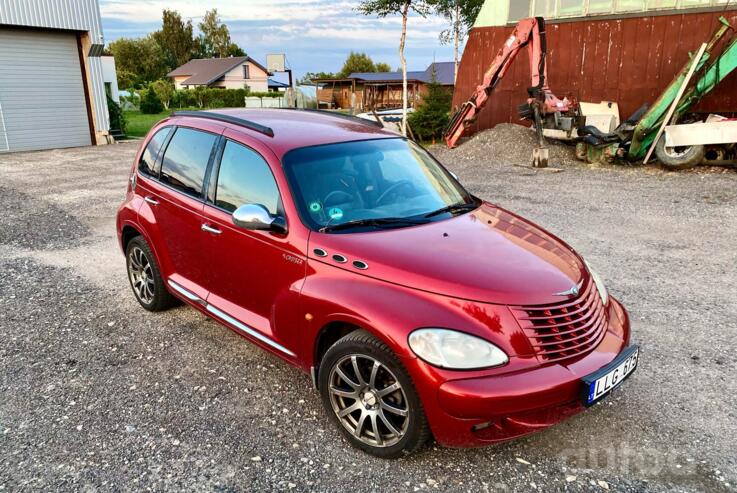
[[97, 394]]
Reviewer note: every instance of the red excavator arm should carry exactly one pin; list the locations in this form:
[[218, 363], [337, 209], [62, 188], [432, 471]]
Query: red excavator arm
[[528, 32]]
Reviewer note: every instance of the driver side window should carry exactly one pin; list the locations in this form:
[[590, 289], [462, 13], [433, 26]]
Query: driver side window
[[244, 177]]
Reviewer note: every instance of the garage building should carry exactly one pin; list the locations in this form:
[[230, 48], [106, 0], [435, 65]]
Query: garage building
[[52, 92]]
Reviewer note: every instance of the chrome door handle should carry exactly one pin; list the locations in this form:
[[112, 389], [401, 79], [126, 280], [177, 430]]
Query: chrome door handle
[[151, 200], [210, 229]]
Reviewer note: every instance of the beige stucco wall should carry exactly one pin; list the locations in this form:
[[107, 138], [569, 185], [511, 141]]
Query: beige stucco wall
[[178, 81], [258, 80]]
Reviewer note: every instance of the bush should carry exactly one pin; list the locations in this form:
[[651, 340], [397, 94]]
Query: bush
[[217, 103], [117, 118], [150, 103], [207, 97], [432, 115], [164, 90], [183, 98]]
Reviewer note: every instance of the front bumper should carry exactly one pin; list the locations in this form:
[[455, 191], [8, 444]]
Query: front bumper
[[479, 411]]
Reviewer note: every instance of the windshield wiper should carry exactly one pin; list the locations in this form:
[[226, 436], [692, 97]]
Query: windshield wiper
[[376, 222], [460, 207]]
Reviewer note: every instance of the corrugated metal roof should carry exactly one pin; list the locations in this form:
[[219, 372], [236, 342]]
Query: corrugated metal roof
[[444, 74], [387, 76], [75, 15], [276, 83]]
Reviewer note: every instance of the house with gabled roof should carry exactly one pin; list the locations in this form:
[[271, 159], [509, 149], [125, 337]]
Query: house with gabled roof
[[226, 73], [381, 90]]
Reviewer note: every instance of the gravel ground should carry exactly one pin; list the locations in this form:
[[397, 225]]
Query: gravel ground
[[97, 394]]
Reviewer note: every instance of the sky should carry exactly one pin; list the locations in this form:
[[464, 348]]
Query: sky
[[315, 35]]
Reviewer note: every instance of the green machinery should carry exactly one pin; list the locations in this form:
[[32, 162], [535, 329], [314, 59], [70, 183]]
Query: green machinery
[[632, 139]]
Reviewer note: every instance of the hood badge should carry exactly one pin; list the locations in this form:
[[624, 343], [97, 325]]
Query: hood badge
[[570, 292]]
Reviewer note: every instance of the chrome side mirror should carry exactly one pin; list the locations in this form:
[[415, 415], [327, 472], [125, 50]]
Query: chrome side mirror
[[256, 217]]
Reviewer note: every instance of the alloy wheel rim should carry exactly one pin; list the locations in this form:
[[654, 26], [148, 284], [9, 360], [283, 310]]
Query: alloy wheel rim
[[141, 275], [368, 400]]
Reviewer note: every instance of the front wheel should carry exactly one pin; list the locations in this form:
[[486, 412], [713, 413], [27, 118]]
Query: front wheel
[[367, 391]]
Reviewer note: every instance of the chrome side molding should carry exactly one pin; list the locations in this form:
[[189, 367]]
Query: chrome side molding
[[185, 292], [248, 330], [227, 318]]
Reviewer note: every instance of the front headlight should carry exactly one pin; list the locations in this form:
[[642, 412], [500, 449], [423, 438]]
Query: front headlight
[[599, 284], [452, 349]]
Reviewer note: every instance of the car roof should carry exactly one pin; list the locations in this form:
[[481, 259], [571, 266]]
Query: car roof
[[292, 128]]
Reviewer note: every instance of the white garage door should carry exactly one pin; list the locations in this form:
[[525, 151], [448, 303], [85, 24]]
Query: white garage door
[[41, 93]]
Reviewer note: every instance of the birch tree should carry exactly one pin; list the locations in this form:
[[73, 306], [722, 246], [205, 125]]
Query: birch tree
[[461, 14], [385, 8]]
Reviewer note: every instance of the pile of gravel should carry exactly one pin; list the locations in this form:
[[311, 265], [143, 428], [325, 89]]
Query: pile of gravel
[[509, 144]]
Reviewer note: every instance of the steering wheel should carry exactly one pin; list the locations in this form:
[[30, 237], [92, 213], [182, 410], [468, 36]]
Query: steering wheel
[[392, 188], [344, 197]]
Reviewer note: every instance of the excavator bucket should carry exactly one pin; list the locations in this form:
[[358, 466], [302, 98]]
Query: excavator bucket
[[540, 157]]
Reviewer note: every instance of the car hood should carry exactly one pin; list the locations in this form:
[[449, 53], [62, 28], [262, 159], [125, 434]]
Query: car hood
[[489, 255]]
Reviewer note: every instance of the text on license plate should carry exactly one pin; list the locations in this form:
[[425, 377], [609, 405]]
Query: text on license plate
[[602, 385]]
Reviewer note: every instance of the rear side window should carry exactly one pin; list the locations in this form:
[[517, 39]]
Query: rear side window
[[147, 164], [185, 160], [245, 178]]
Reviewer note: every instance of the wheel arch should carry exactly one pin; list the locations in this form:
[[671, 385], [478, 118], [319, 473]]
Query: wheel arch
[[332, 331], [127, 234], [130, 230]]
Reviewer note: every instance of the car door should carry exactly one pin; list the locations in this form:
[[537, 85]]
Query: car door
[[173, 204], [255, 275]]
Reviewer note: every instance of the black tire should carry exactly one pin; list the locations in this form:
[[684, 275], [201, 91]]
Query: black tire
[[412, 429], [679, 158], [160, 298]]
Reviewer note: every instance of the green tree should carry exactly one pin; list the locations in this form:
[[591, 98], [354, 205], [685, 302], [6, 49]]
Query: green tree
[[150, 103], [357, 62], [461, 14], [176, 39], [234, 50], [432, 115], [308, 76], [384, 8], [126, 78], [383, 67], [138, 61], [164, 90], [215, 39]]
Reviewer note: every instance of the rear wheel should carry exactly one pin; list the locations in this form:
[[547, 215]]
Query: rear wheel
[[367, 391], [145, 277], [678, 158]]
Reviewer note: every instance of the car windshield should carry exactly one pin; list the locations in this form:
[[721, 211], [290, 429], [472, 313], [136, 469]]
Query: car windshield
[[372, 184]]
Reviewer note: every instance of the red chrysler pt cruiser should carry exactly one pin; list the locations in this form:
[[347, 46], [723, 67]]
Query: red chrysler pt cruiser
[[350, 252]]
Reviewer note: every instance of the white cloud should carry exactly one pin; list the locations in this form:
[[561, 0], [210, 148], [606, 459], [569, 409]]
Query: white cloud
[[315, 34]]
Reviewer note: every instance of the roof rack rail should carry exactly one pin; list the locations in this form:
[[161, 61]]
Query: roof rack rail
[[228, 119], [373, 123]]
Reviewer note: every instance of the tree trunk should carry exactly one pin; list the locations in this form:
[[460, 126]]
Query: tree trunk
[[456, 36], [405, 12]]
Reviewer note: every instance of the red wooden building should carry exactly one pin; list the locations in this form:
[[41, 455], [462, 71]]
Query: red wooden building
[[627, 54]]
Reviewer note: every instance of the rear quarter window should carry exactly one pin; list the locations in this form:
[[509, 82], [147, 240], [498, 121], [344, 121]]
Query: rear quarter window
[[186, 159], [150, 156]]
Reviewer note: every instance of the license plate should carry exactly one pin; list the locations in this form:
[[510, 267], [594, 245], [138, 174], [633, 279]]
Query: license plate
[[599, 384]]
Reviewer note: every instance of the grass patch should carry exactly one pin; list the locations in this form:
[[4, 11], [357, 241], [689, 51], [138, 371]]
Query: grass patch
[[139, 124]]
